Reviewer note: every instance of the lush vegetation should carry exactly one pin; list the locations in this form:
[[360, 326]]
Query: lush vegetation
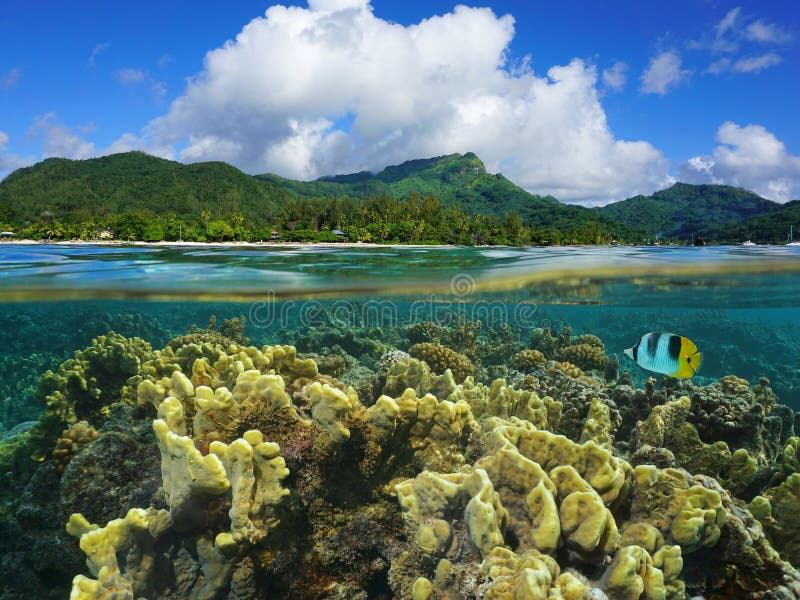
[[461, 180], [449, 199], [443, 200], [769, 228], [683, 211]]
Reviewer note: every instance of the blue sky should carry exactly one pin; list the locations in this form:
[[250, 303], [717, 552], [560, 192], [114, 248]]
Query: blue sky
[[589, 101]]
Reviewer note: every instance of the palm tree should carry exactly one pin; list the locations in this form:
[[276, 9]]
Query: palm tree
[[205, 217]]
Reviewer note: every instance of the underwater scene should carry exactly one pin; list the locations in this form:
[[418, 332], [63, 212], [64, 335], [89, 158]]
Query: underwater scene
[[419, 422]]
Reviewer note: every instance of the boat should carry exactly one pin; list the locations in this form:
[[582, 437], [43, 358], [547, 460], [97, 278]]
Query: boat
[[790, 241], [748, 243]]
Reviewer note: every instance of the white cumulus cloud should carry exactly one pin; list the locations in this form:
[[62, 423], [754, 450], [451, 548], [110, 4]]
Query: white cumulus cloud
[[765, 32], [58, 140], [8, 161], [738, 41], [754, 64], [663, 72], [62, 141], [751, 157], [723, 40], [616, 76], [333, 88]]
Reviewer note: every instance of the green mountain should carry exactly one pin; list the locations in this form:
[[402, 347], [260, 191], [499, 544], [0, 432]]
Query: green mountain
[[684, 210], [769, 228], [81, 190], [134, 181], [456, 179]]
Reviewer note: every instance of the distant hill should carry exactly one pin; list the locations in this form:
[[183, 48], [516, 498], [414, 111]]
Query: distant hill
[[456, 179], [134, 181], [769, 228], [684, 210], [78, 190]]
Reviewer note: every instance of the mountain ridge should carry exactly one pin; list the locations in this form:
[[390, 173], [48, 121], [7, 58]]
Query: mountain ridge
[[685, 210], [138, 182]]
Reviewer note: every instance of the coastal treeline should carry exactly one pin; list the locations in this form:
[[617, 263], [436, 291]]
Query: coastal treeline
[[448, 200], [379, 219]]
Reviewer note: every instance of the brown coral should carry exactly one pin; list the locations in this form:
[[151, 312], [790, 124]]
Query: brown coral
[[586, 356], [439, 359], [527, 360], [425, 331], [567, 368], [590, 339], [70, 443]]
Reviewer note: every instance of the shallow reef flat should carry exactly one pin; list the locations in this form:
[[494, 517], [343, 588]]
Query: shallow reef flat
[[426, 462]]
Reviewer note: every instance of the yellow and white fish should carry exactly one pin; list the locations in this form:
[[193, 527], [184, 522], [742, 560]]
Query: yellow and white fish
[[667, 353]]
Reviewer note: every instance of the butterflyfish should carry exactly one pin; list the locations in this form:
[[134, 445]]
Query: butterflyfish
[[667, 353]]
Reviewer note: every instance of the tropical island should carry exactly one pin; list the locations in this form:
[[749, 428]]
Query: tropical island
[[443, 200]]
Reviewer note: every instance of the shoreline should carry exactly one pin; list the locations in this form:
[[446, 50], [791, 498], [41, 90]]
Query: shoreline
[[270, 244], [168, 244]]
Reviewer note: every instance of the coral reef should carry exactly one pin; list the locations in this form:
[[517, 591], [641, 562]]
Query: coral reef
[[70, 443], [586, 351], [85, 385], [440, 359], [778, 511], [230, 331], [527, 360], [464, 468]]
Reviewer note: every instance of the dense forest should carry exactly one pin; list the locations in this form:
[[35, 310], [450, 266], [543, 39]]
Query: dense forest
[[141, 197], [684, 211], [444, 200]]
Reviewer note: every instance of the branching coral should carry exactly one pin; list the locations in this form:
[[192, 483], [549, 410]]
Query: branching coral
[[90, 381], [133, 537]]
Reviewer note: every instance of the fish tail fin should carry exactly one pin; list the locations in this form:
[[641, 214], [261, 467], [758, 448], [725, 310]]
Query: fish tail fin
[[629, 352]]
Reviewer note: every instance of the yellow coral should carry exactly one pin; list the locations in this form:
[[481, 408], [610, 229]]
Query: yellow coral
[[688, 516], [509, 575], [502, 400], [632, 575], [587, 524], [103, 545], [255, 471], [328, 406], [597, 426], [429, 496]]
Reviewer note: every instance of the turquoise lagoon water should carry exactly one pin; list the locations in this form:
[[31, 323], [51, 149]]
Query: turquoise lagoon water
[[740, 305]]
